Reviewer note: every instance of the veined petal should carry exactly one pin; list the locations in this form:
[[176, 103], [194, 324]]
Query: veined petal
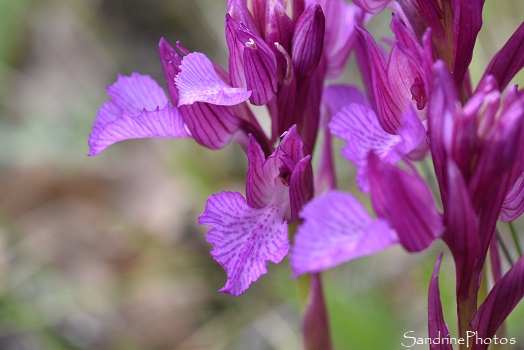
[[300, 186], [412, 132], [236, 53], [239, 11], [308, 40], [372, 6], [160, 123], [337, 97], [442, 109], [261, 74], [210, 125], [340, 33], [260, 67], [266, 178], [279, 28], [423, 15], [261, 175], [406, 202], [139, 109], [358, 125], [292, 145], [171, 61], [389, 107], [513, 205], [509, 60], [462, 230], [132, 94], [467, 21], [499, 303], [437, 328], [336, 229], [199, 82], [401, 76], [244, 239]]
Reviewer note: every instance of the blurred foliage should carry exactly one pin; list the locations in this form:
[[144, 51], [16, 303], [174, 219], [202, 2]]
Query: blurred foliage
[[105, 252]]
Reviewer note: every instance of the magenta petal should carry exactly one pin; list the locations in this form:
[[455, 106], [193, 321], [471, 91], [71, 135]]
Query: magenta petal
[[266, 178], [442, 108], [236, 53], [300, 186], [513, 205], [337, 97], [340, 33], [171, 61], [308, 40], [160, 123], [133, 94], [462, 227], [406, 202], [292, 145], [336, 229], [244, 239], [315, 322], [389, 103], [210, 125], [279, 28], [239, 11], [509, 60], [358, 125], [260, 66], [412, 132], [499, 303], [437, 328], [261, 175], [467, 21], [199, 82], [372, 6], [261, 72]]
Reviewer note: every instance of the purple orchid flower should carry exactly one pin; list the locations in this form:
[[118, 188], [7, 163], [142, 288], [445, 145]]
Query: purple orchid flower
[[246, 233], [207, 108], [373, 6], [454, 26], [336, 227], [478, 161], [138, 108], [399, 82]]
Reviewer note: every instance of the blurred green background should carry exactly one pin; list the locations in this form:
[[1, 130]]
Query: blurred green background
[[106, 252]]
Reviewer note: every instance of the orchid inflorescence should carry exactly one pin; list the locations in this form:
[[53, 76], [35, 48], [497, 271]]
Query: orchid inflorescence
[[418, 104]]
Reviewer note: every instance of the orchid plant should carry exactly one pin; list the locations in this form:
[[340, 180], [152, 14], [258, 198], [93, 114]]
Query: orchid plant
[[418, 104]]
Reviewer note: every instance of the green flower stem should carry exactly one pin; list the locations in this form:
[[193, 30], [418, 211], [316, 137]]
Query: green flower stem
[[515, 238]]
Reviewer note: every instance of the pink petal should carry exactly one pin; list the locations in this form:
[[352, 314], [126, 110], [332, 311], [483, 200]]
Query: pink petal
[[336, 229], [513, 205], [337, 97], [385, 99], [244, 238], [260, 67], [499, 303], [372, 6], [261, 175], [340, 33], [406, 202], [135, 93], [358, 125], [509, 60], [437, 327], [300, 186], [199, 82], [210, 125], [160, 123], [171, 61]]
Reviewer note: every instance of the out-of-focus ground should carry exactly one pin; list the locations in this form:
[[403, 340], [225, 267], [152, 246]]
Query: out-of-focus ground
[[106, 252]]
